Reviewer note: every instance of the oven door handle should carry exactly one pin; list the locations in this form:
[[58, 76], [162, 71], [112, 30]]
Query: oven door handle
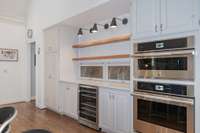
[[168, 53], [165, 99]]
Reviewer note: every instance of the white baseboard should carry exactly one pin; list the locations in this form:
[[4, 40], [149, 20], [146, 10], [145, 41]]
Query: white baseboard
[[72, 116], [12, 102], [111, 131]]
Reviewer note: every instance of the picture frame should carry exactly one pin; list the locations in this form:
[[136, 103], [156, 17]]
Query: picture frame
[[8, 54]]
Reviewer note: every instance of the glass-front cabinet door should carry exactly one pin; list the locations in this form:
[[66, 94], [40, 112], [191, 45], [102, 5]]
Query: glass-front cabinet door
[[95, 72], [119, 72]]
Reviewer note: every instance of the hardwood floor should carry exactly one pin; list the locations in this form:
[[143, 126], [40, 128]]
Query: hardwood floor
[[30, 117]]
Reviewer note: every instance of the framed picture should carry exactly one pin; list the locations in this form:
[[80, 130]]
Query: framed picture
[[8, 54]]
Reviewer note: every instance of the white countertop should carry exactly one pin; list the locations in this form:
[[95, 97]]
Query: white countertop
[[99, 83]]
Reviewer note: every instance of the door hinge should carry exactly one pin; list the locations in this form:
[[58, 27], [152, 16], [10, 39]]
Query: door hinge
[[199, 22]]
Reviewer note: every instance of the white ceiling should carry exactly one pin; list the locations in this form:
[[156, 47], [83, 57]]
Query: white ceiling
[[103, 12], [16, 9]]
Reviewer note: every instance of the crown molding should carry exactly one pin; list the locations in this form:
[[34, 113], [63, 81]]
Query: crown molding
[[12, 19]]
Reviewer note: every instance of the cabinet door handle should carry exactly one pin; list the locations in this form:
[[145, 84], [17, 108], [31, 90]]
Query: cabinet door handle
[[161, 27], [156, 28], [199, 22]]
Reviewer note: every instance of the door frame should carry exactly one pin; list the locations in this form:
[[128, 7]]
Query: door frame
[[29, 97]]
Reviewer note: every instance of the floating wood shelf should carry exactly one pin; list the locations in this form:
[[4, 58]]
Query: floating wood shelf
[[113, 39], [102, 57]]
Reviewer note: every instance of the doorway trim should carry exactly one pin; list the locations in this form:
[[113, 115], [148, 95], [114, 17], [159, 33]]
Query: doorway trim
[[29, 97]]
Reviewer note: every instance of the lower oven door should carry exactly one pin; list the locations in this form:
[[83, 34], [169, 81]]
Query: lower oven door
[[162, 116]]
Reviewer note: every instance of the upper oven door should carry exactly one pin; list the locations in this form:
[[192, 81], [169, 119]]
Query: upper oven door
[[165, 65]]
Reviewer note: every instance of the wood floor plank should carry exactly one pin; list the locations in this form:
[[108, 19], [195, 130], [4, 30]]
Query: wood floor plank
[[30, 117]]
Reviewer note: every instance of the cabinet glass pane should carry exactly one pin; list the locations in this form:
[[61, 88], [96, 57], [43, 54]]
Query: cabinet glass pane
[[92, 71], [119, 72]]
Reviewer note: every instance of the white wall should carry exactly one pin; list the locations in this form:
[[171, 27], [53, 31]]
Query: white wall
[[43, 14], [111, 49], [13, 75]]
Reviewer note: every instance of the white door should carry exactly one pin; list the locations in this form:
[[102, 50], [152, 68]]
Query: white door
[[177, 16], [106, 107], [145, 18], [51, 81], [122, 112]]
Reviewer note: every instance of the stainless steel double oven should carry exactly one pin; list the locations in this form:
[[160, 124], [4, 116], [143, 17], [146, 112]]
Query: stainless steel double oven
[[164, 107], [169, 59]]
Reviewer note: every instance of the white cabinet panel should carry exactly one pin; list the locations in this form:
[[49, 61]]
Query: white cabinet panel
[[106, 108], [51, 40], [70, 100], [66, 101], [145, 18], [51, 82], [115, 110], [122, 113], [177, 15], [73, 105]]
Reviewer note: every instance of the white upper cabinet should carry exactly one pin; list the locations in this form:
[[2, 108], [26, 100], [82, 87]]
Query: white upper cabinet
[[51, 40], [145, 18], [159, 17], [177, 16]]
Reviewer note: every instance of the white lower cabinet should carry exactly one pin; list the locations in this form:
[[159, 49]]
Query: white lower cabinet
[[114, 110], [69, 100]]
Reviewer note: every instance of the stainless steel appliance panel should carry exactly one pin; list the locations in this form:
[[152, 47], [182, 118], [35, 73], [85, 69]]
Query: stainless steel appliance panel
[[165, 45], [165, 89], [178, 65], [158, 114], [88, 106]]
